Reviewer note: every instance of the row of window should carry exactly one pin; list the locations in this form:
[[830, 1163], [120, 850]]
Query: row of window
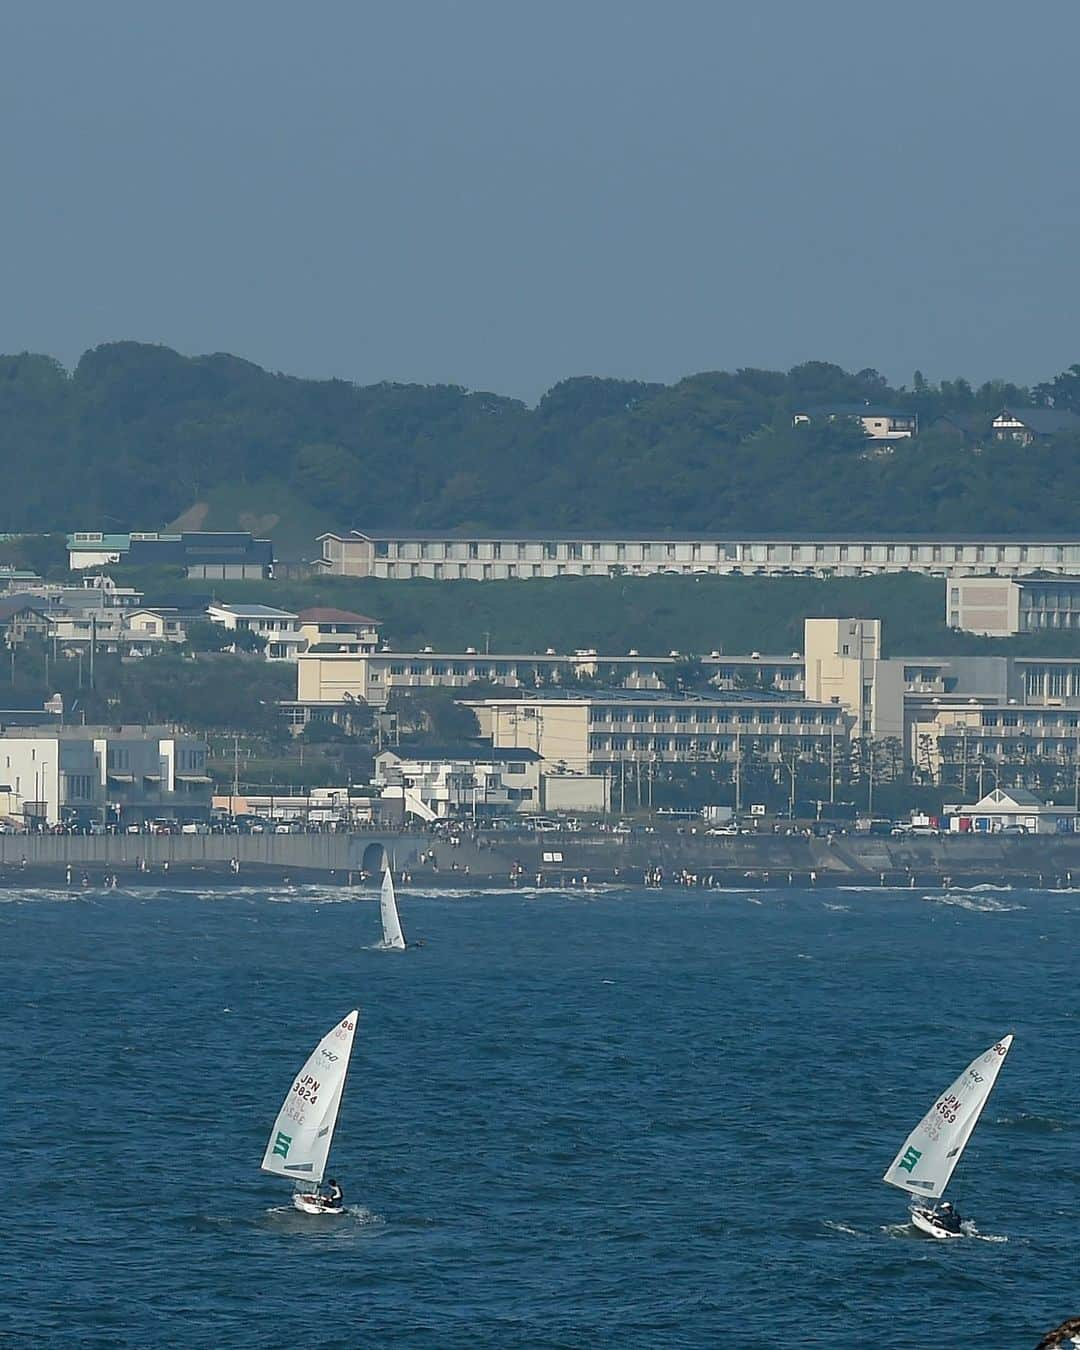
[[708, 745], [715, 716], [556, 550]]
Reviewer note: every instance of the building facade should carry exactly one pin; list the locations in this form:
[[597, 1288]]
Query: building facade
[[1004, 606], [491, 557], [278, 630], [103, 775], [212, 555]]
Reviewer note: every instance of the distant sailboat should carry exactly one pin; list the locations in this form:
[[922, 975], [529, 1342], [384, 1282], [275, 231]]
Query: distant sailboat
[[931, 1151], [393, 939], [300, 1139]]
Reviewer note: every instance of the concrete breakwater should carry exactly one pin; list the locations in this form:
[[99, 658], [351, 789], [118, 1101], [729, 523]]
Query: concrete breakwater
[[502, 859]]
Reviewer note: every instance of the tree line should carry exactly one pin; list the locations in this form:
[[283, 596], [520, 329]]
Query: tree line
[[136, 434]]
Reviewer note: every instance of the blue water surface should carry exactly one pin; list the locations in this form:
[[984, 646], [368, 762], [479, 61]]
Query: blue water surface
[[623, 1118]]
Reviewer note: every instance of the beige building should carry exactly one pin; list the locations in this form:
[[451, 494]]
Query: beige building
[[491, 557], [844, 665], [590, 732], [1004, 606]]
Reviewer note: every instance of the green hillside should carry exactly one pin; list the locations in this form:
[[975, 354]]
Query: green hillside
[[139, 436], [651, 614]]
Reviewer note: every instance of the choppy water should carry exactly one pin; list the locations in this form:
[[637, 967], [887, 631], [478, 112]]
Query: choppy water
[[629, 1119]]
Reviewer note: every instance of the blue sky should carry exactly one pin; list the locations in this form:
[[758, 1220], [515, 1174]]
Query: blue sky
[[501, 194]]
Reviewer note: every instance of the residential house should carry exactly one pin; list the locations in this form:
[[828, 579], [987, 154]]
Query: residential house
[[879, 423], [277, 629], [1027, 425], [338, 629]]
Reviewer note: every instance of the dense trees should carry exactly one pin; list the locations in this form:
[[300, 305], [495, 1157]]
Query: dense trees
[[137, 434]]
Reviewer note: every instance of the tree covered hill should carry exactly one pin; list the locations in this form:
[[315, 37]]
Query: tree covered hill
[[136, 435]]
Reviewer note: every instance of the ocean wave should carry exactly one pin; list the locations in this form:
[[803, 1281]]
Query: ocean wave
[[976, 904], [1033, 1124]]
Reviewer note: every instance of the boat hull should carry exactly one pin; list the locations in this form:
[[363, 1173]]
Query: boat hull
[[925, 1222], [311, 1204]]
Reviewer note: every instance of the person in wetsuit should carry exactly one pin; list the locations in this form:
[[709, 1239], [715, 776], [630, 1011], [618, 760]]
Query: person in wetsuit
[[333, 1197]]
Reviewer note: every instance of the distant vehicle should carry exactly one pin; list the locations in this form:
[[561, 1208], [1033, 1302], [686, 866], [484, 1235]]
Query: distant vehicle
[[194, 827], [622, 828], [732, 828], [1014, 829]]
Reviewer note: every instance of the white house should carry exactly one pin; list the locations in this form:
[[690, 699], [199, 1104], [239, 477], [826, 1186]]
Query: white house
[[277, 628], [1015, 809], [439, 784]]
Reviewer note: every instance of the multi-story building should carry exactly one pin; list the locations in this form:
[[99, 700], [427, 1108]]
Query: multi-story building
[[1002, 606], [588, 732], [331, 677], [439, 783], [225, 555], [111, 775], [403, 555]]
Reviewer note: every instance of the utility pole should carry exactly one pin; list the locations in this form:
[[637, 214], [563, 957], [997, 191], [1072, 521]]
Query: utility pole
[[832, 766], [869, 777], [93, 646], [236, 772], [738, 773]]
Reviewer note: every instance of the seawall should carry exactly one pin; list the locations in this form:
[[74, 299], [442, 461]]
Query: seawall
[[499, 859]]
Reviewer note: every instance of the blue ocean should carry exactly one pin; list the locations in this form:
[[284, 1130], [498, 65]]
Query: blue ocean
[[587, 1119]]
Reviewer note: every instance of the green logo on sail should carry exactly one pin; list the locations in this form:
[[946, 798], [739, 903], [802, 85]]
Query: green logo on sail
[[281, 1145], [907, 1162]]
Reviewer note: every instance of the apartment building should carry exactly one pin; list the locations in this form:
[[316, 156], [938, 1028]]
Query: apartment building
[[110, 775], [404, 555]]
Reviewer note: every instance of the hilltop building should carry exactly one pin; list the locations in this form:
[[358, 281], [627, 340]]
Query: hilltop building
[[454, 556], [225, 555]]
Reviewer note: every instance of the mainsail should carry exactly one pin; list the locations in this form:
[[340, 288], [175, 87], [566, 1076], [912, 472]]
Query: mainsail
[[392, 935], [931, 1151], [301, 1136]]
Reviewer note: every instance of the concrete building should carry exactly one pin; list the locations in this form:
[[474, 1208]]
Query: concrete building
[[277, 629], [403, 555], [108, 775], [1004, 606], [580, 732], [845, 665], [879, 423], [331, 677], [219, 555], [442, 783]]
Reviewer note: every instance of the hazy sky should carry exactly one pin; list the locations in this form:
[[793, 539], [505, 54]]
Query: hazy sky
[[501, 193]]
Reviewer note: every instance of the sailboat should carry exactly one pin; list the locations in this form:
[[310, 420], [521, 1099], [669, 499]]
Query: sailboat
[[393, 939], [928, 1156], [300, 1138]]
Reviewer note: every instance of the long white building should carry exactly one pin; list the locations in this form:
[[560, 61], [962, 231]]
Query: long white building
[[404, 555]]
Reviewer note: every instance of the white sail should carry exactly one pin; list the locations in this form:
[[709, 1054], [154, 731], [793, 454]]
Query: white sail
[[931, 1151], [301, 1136], [392, 935]]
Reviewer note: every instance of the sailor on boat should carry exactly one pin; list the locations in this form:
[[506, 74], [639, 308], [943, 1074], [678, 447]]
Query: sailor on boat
[[945, 1216], [333, 1197]]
